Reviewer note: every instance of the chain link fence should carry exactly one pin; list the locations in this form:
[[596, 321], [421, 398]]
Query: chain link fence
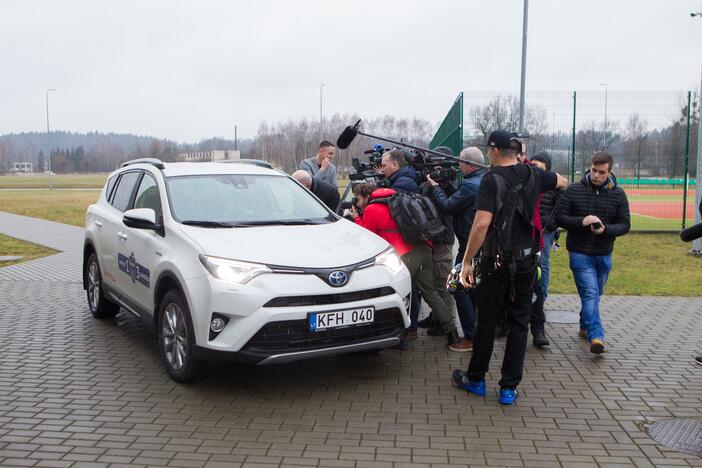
[[652, 137]]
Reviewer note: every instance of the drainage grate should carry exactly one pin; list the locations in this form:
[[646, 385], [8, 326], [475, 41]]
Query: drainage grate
[[562, 316], [680, 434]]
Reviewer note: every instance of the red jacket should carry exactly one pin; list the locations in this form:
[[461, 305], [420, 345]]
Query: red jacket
[[377, 219]]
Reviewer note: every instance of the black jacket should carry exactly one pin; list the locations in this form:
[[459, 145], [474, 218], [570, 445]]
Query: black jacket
[[608, 202], [327, 193], [547, 203], [461, 204]]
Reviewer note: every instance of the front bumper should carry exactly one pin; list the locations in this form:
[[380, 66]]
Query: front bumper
[[268, 318]]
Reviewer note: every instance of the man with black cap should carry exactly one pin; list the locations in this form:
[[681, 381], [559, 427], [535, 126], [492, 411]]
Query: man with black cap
[[503, 232]]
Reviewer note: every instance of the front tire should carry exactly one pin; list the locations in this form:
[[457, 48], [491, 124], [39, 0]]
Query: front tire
[[176, 339], [99, 305]]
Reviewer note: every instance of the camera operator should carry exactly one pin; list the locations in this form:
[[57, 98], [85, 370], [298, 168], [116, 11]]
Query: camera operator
[[417, 258], [461, 205], [321, 167], [594, 212], [324, 191], [400, 176], [503, 232]]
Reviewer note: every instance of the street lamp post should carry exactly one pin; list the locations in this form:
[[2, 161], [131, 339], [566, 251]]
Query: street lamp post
[[321, 124], [604, 142], [48, 133], [698, 176], [522, 84]]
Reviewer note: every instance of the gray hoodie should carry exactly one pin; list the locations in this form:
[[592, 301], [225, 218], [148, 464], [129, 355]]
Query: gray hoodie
[[328, 175]]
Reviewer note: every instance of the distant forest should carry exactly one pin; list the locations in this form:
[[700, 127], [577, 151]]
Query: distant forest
[[640, 148]]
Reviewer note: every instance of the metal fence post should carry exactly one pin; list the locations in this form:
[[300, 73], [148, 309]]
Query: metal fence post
[[687, 157], [572, 154]]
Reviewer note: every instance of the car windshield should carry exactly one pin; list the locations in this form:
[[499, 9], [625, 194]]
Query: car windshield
[[233, 200]]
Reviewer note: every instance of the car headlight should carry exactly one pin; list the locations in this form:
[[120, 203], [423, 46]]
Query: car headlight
[[233, 271], [390, 260]]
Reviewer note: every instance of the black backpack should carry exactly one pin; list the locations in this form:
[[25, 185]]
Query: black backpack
[[417, 218], [511, 202]]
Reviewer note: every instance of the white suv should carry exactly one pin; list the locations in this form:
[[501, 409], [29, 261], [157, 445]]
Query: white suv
[[238, 261]]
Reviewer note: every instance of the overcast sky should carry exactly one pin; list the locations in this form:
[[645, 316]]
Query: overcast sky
[[188, 70]]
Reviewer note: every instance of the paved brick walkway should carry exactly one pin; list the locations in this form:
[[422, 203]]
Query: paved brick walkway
[[75, 391]]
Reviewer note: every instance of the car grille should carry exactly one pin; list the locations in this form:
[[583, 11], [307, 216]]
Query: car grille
[[295, 335], [326, 299]]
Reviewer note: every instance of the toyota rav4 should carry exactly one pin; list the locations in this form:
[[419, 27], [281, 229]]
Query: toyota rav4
[[238, 261]]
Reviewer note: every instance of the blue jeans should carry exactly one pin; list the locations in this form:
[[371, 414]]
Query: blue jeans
[[464, 303], [549, 238], [590, 273]]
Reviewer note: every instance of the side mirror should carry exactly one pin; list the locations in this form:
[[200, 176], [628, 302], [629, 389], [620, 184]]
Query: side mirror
[[141, 218]]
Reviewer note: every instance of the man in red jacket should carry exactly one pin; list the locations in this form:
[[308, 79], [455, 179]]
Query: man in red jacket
[[417, 258]]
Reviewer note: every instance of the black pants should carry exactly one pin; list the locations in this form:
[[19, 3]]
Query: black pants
[[492, 297], [538, 316]]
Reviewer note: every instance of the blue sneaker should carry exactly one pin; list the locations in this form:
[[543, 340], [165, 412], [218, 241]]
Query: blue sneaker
[[459, 380], [508, 396]]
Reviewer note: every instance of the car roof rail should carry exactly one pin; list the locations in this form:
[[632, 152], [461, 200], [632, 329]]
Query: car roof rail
[[255, 162], [153, 161]]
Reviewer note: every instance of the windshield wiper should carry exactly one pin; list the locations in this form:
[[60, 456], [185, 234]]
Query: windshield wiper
[[276, 222], [208, 224]]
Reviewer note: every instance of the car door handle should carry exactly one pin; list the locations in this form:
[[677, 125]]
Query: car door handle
[[98, 224], [122, 236]]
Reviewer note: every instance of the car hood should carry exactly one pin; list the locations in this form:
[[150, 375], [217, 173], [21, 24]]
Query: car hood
[[310, 246]]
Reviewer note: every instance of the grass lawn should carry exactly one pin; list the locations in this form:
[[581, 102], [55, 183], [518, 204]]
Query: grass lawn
[[643, 265], [12, 246], [64, 206], [57, 181]]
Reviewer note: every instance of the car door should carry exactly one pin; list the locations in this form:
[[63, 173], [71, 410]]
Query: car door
[[113, 236], [143, 248]]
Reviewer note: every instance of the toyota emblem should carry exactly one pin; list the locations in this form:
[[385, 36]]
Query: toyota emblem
[[338, 278]]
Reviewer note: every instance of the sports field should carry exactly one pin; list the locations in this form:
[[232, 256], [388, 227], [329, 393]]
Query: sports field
[[659, 209]]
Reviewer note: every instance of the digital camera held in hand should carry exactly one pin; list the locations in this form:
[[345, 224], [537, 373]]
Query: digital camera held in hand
[[453, 282]]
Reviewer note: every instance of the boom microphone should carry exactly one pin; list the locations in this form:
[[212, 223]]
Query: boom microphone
[[347, 136], [691, 233]]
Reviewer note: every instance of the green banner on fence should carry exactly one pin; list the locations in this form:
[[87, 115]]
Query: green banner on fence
[[450, 132]]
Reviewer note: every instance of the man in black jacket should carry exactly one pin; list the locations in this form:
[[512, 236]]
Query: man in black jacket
[[594, 212], [324, 191]]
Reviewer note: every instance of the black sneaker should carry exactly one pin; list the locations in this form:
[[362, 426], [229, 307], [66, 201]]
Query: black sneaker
[[425, 322], [500, 331], [540, 338], [436, 330], [698, 360]]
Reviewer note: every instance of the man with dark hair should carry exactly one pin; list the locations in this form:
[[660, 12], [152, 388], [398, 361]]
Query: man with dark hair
[[375, 216], [321, 167], [324, 191], [461, 205], [594, 212], [401, 177], [503, 231]]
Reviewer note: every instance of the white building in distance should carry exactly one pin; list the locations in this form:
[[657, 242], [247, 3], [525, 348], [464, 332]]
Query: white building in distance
[[22, 166], [210, 156]]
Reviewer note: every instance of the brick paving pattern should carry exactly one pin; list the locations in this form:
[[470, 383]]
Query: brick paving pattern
[[75, 391]]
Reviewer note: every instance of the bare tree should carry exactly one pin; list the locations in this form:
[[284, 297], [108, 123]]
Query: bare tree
[[638, 134], [502, 113]]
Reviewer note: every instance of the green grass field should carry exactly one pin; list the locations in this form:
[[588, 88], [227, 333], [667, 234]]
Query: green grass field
[[643, 265], [58, 181], [64, 206], [29, 251]]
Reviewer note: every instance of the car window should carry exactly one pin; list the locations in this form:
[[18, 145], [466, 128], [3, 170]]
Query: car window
[[124, 189], [110, 186], [147, 195], [231, 198]]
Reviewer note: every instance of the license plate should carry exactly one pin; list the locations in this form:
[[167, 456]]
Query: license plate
[[341, 318]]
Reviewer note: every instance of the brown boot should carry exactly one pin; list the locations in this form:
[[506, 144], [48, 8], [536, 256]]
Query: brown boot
[[462, 346]]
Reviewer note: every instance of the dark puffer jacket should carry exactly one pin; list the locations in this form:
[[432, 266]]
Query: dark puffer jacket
[[547, 203], [405, 180], [608, 202]]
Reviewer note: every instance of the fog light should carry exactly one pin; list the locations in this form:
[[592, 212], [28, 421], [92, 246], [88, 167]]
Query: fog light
[[407, 302], [217, 324]]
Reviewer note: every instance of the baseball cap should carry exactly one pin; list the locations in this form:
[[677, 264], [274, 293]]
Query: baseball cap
[[503, 139]]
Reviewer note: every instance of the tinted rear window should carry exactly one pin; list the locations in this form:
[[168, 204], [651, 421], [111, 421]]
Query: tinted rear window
[[123, 192]]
